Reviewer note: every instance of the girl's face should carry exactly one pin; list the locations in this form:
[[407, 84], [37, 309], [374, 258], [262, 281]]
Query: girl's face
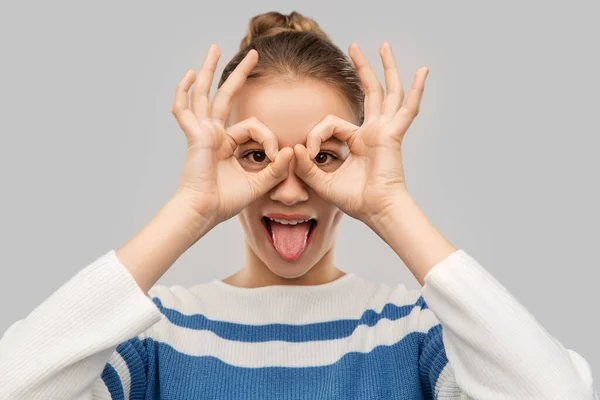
[[275, 233]]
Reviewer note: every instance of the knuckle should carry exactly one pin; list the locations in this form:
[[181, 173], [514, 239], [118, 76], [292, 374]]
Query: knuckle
[[412, 110], [375, 89], [217, 122], [271, 173], [331, 118], [226, 92], [311, 173], [206, 123]]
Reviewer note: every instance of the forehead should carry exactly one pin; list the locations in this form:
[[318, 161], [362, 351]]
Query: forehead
[[288, 108]]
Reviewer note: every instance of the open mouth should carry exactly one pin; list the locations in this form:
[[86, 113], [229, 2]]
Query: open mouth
[[289, 237]]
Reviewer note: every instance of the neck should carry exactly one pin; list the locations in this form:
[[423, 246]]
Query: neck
[[255, 273]]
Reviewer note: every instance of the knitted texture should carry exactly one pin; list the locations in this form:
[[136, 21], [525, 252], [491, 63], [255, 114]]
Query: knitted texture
[[461, 336]]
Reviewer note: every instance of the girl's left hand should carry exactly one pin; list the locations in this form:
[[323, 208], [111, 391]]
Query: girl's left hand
[[371, 179]]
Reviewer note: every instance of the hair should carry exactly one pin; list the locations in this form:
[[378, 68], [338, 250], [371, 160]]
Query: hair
[[294, 46]]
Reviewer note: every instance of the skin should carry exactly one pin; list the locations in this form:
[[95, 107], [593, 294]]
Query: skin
[[290, 110], [369, 185]]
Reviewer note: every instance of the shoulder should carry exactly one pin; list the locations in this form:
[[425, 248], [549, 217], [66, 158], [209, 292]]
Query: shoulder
[[177, 304], [394, 301], [187, 300]]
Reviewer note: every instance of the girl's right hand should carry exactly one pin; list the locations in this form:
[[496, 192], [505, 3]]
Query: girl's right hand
[[213, 182]]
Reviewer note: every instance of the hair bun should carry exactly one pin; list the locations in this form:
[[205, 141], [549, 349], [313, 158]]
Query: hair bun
[[273, 22]]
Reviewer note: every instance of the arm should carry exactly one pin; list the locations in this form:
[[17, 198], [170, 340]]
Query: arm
[[61, 348], [496, 349], [493, 344]]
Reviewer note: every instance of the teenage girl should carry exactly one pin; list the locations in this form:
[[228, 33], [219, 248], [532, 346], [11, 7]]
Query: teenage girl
[[297, 135]]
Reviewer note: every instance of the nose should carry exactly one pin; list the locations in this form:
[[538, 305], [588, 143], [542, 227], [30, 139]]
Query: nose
[[292, 190]]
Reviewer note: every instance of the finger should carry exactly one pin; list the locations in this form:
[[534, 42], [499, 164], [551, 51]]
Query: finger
[[330, 126], [394, 93], [221, 104], [372, 86], [407, 113], [184, 116], [181, 99], [272, 174], [312, 175], [253, 128], [201, 92]]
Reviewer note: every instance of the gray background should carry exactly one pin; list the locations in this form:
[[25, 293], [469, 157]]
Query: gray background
[[502, 158]]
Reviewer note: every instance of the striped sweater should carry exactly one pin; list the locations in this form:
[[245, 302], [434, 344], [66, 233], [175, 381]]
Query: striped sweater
[[461, 336]]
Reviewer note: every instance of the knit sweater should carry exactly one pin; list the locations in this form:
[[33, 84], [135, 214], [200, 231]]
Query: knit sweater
[[461, 336]]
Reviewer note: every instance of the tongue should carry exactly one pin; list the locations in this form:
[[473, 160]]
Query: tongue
[[290, 240]]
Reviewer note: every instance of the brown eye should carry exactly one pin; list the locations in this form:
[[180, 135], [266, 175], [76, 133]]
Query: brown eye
[[322, 158], [256, 157]]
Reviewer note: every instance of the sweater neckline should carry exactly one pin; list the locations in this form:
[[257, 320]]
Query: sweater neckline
[[324, 287]]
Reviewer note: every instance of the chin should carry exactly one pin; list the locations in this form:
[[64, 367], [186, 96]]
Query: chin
[[289, 245], [287, 272]]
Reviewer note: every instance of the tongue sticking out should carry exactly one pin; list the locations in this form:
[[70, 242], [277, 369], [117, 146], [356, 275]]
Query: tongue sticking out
[[290, 240]]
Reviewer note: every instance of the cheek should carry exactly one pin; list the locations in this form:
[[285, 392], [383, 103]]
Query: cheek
[[250, 218], [337, 217], [332, 217], [245, 217], [335, 222], [243, 222]]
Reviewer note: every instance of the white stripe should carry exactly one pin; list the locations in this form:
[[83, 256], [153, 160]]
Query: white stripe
[[118, 362], [446, 387], [282, 305], [288, 354], [100, 391]]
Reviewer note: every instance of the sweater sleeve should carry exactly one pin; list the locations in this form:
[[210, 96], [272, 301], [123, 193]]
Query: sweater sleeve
[[494, 347], [82, 340]]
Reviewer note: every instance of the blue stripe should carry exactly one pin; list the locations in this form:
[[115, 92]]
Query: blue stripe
[[113, 382], [386, 372], [421, 303], [289, 333], [136, 358], [432, 360]]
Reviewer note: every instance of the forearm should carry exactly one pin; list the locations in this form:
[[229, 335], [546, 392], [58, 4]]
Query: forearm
[[495, 347], [493, 343], [408, 231], [60, 349], [153, 250]]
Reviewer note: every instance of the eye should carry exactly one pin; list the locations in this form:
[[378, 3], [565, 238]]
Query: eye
[[325, 158], [256, 157]]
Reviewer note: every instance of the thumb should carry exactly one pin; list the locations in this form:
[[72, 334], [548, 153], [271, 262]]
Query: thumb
[[314, 176], [264, 180]]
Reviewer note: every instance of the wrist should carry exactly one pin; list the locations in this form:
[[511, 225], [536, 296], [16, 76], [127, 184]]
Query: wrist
[[413, 237], [194, 217], [389, 215], [152, 251]]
